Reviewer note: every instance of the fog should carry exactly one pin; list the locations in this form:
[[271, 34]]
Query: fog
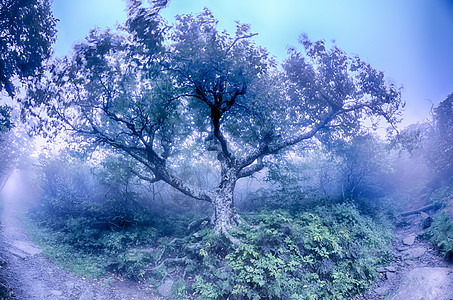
[[170, 158]]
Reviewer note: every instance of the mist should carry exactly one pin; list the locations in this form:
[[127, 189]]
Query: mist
[[169, 158]]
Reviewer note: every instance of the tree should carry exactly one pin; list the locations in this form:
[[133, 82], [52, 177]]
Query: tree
[[363, 167], [155, 92], [442, 155], [27, 31], [7, 157], [6, 144]]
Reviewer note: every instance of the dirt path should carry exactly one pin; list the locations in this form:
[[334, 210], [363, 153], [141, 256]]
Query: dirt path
[[32, 276], [417, 273]]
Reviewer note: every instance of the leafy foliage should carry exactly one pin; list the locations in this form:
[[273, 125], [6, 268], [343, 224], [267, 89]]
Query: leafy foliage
[[93, 220], [27, 30], [5, 118], [6, 157], [327, 253], [441, 234], [93, 216], [358, 170], [153, 92], [441, 156]]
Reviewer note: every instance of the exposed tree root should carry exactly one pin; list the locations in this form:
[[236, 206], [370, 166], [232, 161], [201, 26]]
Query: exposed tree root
[[167, 260], [236, 242]]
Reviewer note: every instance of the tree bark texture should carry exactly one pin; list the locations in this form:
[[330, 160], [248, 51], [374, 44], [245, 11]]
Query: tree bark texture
[[225, 215]]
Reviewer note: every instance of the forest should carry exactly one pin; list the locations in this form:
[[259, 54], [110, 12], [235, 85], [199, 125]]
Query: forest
[[189, 161]]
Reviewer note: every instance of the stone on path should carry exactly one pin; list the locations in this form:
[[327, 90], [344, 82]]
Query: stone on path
[[87, 295], [382, 290], [426, 221], [390, 269], [56, 293], [18, 253], [413, 253], [165, 288], [427, 284], [390, 276], [27, 247], [386, 269], [409, 240]]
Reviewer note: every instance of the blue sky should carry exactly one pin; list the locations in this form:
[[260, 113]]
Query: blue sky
[[410, 40]]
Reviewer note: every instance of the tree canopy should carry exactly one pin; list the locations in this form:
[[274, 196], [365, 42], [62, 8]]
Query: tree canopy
[[156, 92], [27, 31]]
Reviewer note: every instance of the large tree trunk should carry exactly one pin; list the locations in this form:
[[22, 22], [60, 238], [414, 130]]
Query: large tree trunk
[[225, 215]]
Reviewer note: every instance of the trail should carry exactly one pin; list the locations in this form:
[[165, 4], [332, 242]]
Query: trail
[[417, 272], [32, 276]]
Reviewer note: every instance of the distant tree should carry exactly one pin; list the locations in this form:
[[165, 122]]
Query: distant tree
[[157, 92], [441, 151], [365, 169], [8, 156], [27, 31]]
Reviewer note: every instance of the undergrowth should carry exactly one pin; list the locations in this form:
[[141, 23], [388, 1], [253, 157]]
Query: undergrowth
[[327, 253], [323, 253], [441, 234]]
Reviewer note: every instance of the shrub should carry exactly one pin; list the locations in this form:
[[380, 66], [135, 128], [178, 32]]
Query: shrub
[[441, 234], [316, 252], [326, 253]]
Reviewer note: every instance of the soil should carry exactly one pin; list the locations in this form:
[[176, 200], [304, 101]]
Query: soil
[[33, 277], [417, 272]]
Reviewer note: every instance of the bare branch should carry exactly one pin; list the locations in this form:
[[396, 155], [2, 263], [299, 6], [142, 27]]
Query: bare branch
[[249, 171], [145, 178], [237, 39]]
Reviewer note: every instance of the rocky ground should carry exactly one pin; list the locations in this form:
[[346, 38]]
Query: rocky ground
[[417, 272], [32, 277]]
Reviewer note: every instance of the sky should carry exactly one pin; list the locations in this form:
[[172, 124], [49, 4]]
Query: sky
[[411, 41]]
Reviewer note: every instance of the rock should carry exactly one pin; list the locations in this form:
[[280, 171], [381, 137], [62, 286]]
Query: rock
[[390, 276], [409, 240], [401, 248], [165, 289], [87, 295], [18, 253], [56, 293], [382, 290], [390, 269], [27, 247], [413, 253], [426, 220], [426, 283], [386, 269]]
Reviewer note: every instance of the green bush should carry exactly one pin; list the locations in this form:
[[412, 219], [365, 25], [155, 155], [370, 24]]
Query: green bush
[[327, 253], [312, 252], [89, 220], [441, 234]]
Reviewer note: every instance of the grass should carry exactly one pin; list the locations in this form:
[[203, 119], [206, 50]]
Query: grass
[[65, 256]]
